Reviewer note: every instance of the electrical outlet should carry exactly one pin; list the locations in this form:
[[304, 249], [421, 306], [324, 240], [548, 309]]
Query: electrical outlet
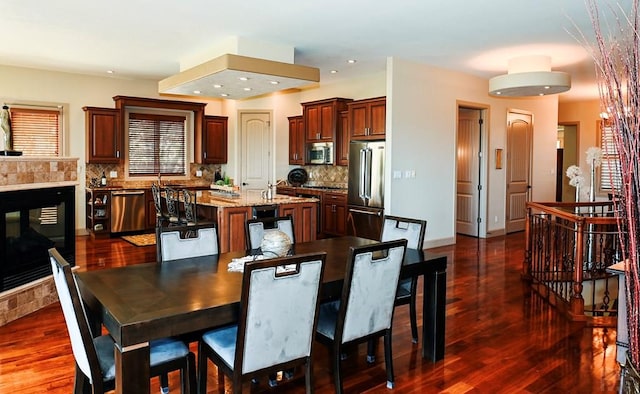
[[113, 174], [198, 173]]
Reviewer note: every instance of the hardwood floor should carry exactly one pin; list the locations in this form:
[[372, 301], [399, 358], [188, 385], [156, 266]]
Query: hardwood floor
[[500, 337]]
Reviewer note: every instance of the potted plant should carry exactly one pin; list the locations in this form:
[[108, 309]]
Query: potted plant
[[616, 52]]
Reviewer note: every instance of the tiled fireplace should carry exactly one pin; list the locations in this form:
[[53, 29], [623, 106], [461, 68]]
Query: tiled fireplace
[[37, 211]]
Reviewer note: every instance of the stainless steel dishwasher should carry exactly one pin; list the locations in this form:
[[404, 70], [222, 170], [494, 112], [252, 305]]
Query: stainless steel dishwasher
[[127, 211]]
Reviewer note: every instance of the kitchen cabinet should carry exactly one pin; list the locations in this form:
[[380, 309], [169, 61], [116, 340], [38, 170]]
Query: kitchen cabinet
[[296, 140], [98, 212], [342, 143], [321, 119], [210, 146], [231, 228], [367, 118], [334, 213], [104, 138], [304, 219]]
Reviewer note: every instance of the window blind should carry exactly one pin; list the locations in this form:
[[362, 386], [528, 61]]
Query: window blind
[[156, 144], [610, 176], [35, 132]]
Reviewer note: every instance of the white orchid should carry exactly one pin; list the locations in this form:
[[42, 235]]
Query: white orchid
[[594, 156]]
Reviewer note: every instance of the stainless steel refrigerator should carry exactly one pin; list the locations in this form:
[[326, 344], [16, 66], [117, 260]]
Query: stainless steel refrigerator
[[366, 189]]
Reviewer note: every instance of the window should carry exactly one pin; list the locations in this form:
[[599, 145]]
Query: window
[[36, 131], [156, 144], [610, 176]]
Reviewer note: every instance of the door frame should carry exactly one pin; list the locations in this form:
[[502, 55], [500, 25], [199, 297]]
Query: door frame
[[575, 124], [485, 115]]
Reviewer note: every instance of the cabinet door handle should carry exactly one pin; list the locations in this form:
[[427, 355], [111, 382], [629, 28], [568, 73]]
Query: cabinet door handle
[[118, 154], [204, 155]]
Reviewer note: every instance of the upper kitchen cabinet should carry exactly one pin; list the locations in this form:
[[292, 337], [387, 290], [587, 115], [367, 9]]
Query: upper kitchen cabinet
[[104, 137], [367, 118], [296, 140], [321, 118], [342, 143], [211, 146]]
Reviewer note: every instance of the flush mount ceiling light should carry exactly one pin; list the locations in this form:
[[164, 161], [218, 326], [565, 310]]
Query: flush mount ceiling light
[[239, 77], [529, 76]]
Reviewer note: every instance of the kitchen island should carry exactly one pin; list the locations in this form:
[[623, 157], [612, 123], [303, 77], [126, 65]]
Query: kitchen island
[[232, 212]]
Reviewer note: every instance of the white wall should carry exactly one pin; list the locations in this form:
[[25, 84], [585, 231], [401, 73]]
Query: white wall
[[421, 135]]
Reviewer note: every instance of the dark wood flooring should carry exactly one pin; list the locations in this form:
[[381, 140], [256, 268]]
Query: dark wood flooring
[[500, 337]]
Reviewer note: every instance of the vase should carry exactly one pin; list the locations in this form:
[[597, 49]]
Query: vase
[[629, 378], [275, 243]]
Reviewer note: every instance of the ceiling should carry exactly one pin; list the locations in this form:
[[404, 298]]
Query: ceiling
[[149, 38]]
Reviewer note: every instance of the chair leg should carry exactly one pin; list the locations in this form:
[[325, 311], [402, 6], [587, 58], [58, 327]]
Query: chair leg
[[190, 385], [81, 383], [337, 376], [371, 350], [308, 376], [388, 359], [412, 310], [164, 383], [202, 370]]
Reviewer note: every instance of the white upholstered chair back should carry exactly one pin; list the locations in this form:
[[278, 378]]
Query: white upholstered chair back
[[66, 284], [372, 293], [256, 229], [199, 242], [412, 230], [281, 312]]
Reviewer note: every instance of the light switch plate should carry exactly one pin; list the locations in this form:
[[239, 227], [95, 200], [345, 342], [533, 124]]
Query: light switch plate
[[113, 174], [198, 173]]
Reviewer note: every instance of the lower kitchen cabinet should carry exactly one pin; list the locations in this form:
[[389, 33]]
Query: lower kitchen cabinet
[[98, 212], [334, 214], [231, 228], [304, 219]]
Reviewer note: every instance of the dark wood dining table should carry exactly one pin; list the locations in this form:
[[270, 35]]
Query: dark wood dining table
[[143, 302]]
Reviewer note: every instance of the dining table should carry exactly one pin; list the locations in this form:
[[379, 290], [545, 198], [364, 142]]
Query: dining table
[[143, 302]]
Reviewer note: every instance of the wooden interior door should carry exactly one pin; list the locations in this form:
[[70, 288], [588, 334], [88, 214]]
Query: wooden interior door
[[519, 147], [468, 172], [256, 149]]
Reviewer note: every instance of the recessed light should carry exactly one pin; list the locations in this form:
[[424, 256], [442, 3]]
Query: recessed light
[[109, 71], [274, 82], [224, 95], [196, 92], [243, 78], [247, 89], [217, 86], [334, 71], [351, 61]]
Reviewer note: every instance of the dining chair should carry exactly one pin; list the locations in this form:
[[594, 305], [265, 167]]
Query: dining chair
[[255, 229], [365, 309], [95, 360], [183, 241], [395, 227], [274, 330]]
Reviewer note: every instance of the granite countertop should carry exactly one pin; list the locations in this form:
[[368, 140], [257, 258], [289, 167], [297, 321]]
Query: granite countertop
[[247, 198]]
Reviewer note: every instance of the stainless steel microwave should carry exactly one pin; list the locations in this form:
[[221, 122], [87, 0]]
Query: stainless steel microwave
[[320, 153]]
